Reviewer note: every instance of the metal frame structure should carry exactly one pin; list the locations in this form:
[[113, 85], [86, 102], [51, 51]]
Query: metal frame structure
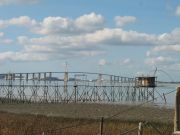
[[65, 87]]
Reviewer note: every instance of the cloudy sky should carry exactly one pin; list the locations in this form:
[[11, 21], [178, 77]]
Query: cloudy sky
[[123, 37]]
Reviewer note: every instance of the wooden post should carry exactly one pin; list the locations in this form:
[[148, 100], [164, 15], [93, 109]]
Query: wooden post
[[75, 93], [101, 126], [140, 129], [165, 98], [177, 113], [66, 86]]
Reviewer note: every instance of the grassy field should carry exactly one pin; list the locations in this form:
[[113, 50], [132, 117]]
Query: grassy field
[[34, 119]]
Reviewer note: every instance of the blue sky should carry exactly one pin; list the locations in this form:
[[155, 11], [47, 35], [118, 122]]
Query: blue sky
[[123, 37]]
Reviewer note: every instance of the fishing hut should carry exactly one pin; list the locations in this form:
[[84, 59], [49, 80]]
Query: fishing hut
[[146, 81], [145, 85]]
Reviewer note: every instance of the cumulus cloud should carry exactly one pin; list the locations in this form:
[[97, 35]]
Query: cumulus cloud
[[54, 25], [8, 2], [48, 48], [22, 21], [123, 20], [92, 43], [59, 25], [90, 22], [89, 28], [61, 37], [119, 36], [94, 40], [177, 11]]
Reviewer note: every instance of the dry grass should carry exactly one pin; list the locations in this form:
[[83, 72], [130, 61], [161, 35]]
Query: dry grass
[[93, 111], [15, 124], [33, 119]]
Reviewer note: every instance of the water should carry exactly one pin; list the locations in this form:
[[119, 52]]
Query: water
[[164, 88]]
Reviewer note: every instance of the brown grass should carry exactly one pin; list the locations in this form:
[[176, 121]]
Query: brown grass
[[29, 119]]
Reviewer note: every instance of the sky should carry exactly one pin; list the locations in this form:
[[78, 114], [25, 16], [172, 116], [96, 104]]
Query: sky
[[120, 37]]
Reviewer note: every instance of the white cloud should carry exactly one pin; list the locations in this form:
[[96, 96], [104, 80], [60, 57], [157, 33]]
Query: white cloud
[[119, 36], [160, 60], [90, 22], [21, 56], [91, 44], [123, 20], [90, 29], [2, 24], [167, 48], [169, 38], [173, 50], [168, 44], [38, 48], [1, 34], [7, 2], [126, 61], [23, 40], [148, 53], [92, 40], [23, 21], [59, 25], [54, 25], [102, 62], [44, 54], [60, 37], [4, 40], [178, 11]]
